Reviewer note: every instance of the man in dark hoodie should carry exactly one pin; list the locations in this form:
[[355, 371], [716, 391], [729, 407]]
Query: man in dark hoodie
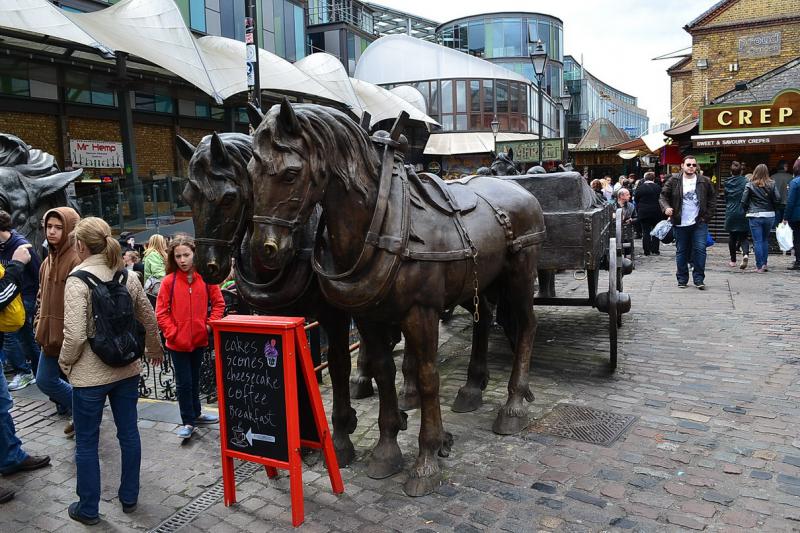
[[49, 321], [20, 347]]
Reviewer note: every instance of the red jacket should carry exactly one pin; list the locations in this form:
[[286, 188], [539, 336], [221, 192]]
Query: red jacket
[[184, 325]]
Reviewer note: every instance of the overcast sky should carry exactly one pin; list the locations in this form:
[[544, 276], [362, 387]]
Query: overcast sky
[[617, 38]]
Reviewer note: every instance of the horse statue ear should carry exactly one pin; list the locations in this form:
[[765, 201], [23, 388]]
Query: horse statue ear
[[511, 153], [287, 118], [218, 152], [185, 148], [254, 114], [493, 154]]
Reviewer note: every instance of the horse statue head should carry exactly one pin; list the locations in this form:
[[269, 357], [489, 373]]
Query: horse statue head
[[503, 165], [297, 149], [220, 194], [30, 185]]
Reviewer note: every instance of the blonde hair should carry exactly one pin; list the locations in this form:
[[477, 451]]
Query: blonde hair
[[159, 244], [180, 239], [760, 176], [95, 234]]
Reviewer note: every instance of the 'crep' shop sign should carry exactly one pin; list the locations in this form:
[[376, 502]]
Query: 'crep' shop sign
[[782, 113]]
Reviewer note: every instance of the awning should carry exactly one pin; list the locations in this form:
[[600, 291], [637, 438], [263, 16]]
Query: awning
[[682, 129], [382, 104], [479, 142], [330, 72], [750, 138]]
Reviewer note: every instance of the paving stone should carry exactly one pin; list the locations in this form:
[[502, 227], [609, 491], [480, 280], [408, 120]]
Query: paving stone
[[611, 475], [679, 489], [644, 482], [759, 474], [550, 503], [731, 469], [613, 490], [767, 455], [791, 460], [685, 521], [705, 510], [623, 523], [544, 487], [736, 410], [717, 497], [688, 424], [740, 518], [585, 497], [690, 416]]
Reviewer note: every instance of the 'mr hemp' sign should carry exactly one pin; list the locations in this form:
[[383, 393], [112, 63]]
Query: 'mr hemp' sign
[[528, 151], [95, 154], [783, 113]]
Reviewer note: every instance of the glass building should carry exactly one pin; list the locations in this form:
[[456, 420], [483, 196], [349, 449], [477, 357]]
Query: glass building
[[507, 39], [343, 28], [593, 99]]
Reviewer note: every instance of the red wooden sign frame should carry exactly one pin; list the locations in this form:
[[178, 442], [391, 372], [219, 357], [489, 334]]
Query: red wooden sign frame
[[295, 349]]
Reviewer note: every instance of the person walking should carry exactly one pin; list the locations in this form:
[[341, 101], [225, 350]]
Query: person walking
[[94, 381], [689, 199], [20, 347], [155, 261], [49, 322], [13, 458], [735, 221], [649, 211], [185, 305], [791, 214], [760, 199], [781, 177]]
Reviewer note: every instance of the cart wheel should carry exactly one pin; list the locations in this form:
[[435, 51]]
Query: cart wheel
[[618, 232], [614, 317]]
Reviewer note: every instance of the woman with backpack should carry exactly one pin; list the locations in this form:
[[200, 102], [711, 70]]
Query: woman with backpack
[[185, 305], [760, 200], [84, 359]]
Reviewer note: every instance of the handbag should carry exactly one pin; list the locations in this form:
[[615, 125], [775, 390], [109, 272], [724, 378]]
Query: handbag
[[663, 232]]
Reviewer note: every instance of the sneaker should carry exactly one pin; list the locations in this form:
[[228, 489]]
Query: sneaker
[[69, 429], [75, 515], [794, 266], [32, 462], [682, 285], [744, 263], [765, 268], [6, 495], [206, 419], [701, 286], [21, 381], [128, 508], [185, 432], [732, 264], [760, 270]]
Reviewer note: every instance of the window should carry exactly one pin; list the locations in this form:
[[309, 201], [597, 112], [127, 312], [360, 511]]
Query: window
[[197, 15], [475, 96], [502, 96], [476, 39], [14, 77], [447, 96], [81, 88], [461, 96]]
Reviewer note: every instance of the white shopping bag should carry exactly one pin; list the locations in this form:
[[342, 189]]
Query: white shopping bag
[[784, 236]]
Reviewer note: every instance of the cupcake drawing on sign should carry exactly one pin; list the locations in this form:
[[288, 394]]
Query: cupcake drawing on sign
[[271, 353]]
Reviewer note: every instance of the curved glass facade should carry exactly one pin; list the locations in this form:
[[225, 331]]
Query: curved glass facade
[[505, 38]]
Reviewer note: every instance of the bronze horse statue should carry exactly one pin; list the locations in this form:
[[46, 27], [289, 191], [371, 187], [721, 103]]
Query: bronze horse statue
[[396, 248], [219, 191]]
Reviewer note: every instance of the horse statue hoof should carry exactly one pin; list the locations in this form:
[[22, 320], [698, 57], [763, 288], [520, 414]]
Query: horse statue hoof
[[422, 486], [361, 387], [407, 402], [467, 400], [385, 461], [345, 453], [447, 445], [508, 423]]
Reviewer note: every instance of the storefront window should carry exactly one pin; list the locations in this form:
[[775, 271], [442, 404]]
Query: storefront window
[[475, 95], [447, 96]]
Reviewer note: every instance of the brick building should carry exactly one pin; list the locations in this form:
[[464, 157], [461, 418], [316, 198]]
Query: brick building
[[735, 40]]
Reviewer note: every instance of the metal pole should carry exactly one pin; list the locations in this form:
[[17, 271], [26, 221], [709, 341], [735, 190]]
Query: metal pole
[[126, 129], [541, 121], [252, 30], [566, 142]]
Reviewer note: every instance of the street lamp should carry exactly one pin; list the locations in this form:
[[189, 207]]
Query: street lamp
[[495, 128], [539, 60], [566, 101]]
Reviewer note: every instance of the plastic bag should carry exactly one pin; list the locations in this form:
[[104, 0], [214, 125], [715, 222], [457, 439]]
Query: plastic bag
[[784, 235], [710, 240], [663, 231]]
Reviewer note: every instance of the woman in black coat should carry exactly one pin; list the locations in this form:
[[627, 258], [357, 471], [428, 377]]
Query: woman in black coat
[[646, 197]]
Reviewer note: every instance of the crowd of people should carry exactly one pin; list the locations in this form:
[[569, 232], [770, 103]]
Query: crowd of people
[[58, 350], [756, 204]]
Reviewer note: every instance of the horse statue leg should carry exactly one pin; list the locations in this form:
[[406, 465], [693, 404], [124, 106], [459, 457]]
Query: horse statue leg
[[386, 459], [421, 330], [409, 395], [343, 416], [361, 381], [470, 396], [518, 283], [547, 283]]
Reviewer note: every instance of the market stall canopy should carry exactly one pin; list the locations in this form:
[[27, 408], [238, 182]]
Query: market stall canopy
[[412, 96], [602, 135], [646, 144], [683, 129], [400, 58], [382, 104], [225, 63], [330, 72], [477, 142]]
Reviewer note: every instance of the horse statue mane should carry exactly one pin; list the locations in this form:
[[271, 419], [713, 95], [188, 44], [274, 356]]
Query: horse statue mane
[[503, 165], [30, 185]]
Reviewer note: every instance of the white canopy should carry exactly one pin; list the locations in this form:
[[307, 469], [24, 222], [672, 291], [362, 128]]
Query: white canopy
[[412, 96], [382, 104], [330, 72], [225, 62], [400, 58], [477, 142]]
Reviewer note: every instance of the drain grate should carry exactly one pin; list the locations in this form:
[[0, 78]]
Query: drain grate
[[584, 424], [192, 510]]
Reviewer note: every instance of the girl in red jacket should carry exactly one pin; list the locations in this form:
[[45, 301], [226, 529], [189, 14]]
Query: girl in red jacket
[[185, 305]]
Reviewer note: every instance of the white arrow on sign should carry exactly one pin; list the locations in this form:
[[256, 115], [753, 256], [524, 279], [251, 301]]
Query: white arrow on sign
[[250, 436]]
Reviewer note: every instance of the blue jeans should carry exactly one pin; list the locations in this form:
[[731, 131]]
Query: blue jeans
[[11, 453], [87, 408], [691, 241], [20, 346], [48, 379], [759, 229], [187, 383]]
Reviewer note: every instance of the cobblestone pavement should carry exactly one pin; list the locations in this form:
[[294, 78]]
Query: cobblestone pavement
[[711, 377]]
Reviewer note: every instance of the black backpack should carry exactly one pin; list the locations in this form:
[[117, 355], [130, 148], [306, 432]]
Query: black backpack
[[119, 338]]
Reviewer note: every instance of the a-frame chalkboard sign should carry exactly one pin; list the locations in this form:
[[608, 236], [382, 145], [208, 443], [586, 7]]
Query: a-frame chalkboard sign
[[269, 401]]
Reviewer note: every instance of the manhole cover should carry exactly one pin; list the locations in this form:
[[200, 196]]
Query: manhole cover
[[584, 424]]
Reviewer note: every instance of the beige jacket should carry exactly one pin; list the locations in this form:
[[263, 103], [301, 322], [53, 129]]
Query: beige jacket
[[77, 360]]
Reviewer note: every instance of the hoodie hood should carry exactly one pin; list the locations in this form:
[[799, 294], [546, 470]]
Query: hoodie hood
[[69, 218]]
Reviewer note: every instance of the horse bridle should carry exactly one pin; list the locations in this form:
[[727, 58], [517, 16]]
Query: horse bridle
[[230, 243], [293, 225]]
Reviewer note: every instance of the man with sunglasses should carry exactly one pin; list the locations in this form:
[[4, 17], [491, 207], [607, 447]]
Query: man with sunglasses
[[688, 199]]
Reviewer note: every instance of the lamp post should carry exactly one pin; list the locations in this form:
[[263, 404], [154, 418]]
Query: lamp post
[[495, 128], [539, 60], [566, 101]]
